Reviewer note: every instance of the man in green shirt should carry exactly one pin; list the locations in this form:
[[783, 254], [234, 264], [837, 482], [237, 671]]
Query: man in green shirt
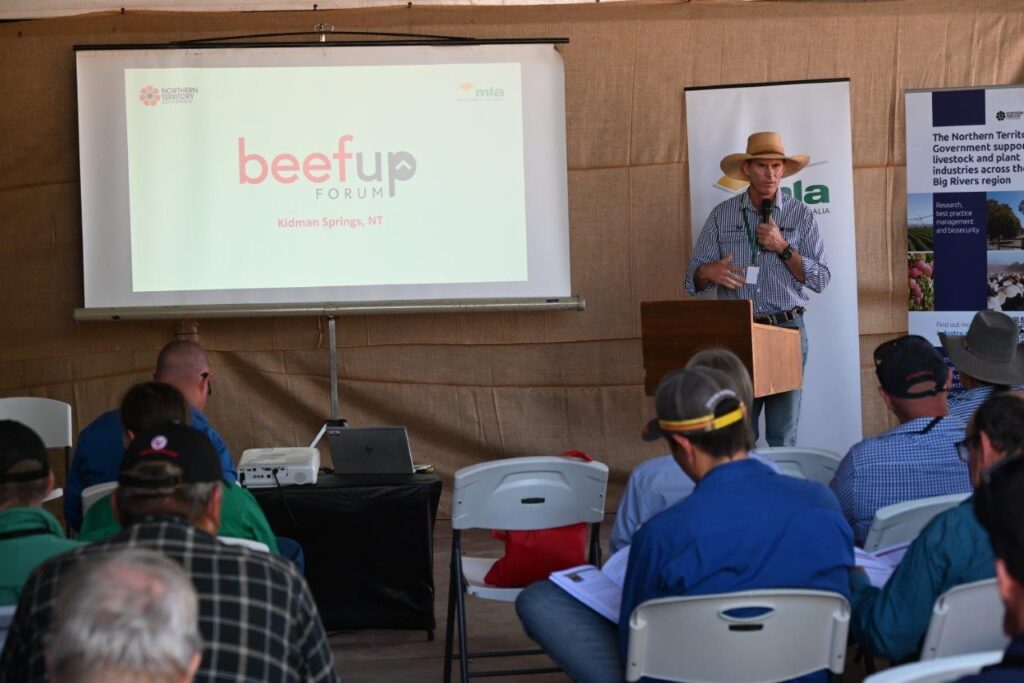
[[28, 533]]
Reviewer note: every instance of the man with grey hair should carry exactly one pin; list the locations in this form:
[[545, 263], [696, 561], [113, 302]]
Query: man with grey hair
[[184, 365], [127, 616], [256, 614]]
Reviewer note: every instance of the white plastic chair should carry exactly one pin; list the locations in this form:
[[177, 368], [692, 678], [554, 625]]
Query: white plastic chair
[[815, 464], [903, 522], [941, 670], [49, 418], [515, 494], [702, 638], [92, 494], [6, 618], [966, 619], [245, 543]]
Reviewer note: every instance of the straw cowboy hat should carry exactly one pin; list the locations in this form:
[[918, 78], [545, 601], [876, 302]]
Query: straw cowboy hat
[[766, 145], [989, 351]]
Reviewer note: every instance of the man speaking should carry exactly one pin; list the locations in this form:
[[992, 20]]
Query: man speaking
[[765, 246]]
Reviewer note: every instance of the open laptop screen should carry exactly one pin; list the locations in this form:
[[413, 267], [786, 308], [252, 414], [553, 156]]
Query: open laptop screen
[[371, 450]]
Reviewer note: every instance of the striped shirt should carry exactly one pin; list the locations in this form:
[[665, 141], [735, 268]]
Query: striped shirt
[[967, 403], [915, 460], [256, 614], [776, 290]]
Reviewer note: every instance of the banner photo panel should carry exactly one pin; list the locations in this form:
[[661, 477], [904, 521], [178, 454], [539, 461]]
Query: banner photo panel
[[813, 118]]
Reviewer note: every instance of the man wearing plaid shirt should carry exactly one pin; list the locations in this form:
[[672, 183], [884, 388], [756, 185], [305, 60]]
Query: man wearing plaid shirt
[[919, 458], [765, 246], [257, 618]]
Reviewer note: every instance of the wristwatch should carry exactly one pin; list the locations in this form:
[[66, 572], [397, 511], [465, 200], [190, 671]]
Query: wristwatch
[[786, 253]]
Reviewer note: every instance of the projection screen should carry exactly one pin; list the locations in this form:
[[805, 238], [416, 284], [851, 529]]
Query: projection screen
[[275, 176]]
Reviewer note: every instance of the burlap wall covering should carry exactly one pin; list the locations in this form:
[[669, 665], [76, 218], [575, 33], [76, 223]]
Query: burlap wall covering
[[474, 387]]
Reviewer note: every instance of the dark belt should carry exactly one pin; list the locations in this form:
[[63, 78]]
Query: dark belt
[[780, 317]]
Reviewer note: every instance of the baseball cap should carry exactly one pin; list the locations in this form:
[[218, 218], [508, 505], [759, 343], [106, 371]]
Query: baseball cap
[[686, 401], [187, 448], [907, 363], [19, 443]]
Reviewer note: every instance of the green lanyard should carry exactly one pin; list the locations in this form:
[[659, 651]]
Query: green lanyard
[[751, 237]]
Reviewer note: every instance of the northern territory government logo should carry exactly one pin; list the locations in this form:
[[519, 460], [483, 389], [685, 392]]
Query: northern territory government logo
[[150, 95], [1009, 115]]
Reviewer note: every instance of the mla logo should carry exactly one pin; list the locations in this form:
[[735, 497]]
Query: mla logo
[[149, 96]]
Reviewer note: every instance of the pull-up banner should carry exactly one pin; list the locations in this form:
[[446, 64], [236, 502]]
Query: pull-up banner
[[814, 119], [965, 204]]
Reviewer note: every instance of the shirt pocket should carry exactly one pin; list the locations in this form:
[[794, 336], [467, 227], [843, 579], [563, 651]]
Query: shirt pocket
[[733, 240]]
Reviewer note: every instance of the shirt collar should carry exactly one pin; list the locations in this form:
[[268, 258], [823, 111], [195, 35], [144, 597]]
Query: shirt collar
[[780, 200], [731, 471]]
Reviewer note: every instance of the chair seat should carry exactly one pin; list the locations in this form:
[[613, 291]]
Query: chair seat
[[474, 569]]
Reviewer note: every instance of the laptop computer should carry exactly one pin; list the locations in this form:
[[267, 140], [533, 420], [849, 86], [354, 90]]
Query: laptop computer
[[370, 450]]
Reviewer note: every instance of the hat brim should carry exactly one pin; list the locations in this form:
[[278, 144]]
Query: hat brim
[[1010, 373], [732, 165], [652, 431]]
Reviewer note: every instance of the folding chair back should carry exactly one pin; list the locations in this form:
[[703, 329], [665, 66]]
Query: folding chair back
[[903, 522], [815, 464], [48, 418], [966, 619], [6, 617], [529, 493], [781, 634], [943, 670], [245, 542], [537, 492], [92, 494]]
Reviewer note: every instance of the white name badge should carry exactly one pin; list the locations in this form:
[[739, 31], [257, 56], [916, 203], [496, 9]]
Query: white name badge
[[752, 272]]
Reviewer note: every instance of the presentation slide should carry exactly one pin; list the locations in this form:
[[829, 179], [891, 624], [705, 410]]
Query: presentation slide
[[272, 178], [316, 175]]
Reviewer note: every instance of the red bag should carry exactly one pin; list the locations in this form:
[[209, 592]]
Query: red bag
[[532, 555]]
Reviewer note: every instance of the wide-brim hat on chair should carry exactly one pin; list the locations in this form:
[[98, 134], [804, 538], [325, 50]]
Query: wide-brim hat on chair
[[765, 145], [989, 351]]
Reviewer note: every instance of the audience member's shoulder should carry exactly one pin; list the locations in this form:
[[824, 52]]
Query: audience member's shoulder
[[108, 420]]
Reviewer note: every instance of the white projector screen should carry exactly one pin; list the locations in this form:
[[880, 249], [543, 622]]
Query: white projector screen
[[295, 175]]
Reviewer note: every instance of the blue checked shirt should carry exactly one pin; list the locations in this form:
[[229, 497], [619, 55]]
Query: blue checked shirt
[[966, 404], [776, 290], [915, 460]]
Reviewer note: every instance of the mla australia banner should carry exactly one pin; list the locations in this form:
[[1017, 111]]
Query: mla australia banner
[[814, 119], [965, 203]]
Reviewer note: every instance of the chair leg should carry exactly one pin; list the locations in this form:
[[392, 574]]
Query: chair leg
[[450, 623], [594, 557], [460, 606]]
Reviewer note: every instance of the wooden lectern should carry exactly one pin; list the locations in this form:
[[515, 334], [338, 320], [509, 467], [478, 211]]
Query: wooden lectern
[[672, 331]]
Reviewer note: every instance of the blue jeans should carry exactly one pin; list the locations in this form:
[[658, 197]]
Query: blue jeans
[[578, 639], [782, 411]]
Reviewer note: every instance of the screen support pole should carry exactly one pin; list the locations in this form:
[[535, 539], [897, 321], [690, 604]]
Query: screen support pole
[[334, 424], [333, 341]]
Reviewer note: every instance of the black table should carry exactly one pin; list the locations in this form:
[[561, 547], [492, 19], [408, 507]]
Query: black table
[[368, 544]]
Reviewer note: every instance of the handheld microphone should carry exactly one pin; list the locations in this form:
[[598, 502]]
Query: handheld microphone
[[766, 210]]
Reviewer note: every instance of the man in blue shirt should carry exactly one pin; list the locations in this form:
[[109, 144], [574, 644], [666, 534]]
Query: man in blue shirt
[[743, 528], [765, 246], [915, 460], [953, 549], [988, 358], [999, 505], [182, 364]]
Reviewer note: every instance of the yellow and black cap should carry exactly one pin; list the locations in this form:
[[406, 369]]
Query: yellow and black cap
[[687, 400]]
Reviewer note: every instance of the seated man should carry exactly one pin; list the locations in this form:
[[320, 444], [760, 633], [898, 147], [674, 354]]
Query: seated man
[[743, 528], [659, 483], [182, 364], [988, 358], [128, 615], [28, 533], [256, 614], [999, 505], [915, 460], [147, 406], [953, 549]]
